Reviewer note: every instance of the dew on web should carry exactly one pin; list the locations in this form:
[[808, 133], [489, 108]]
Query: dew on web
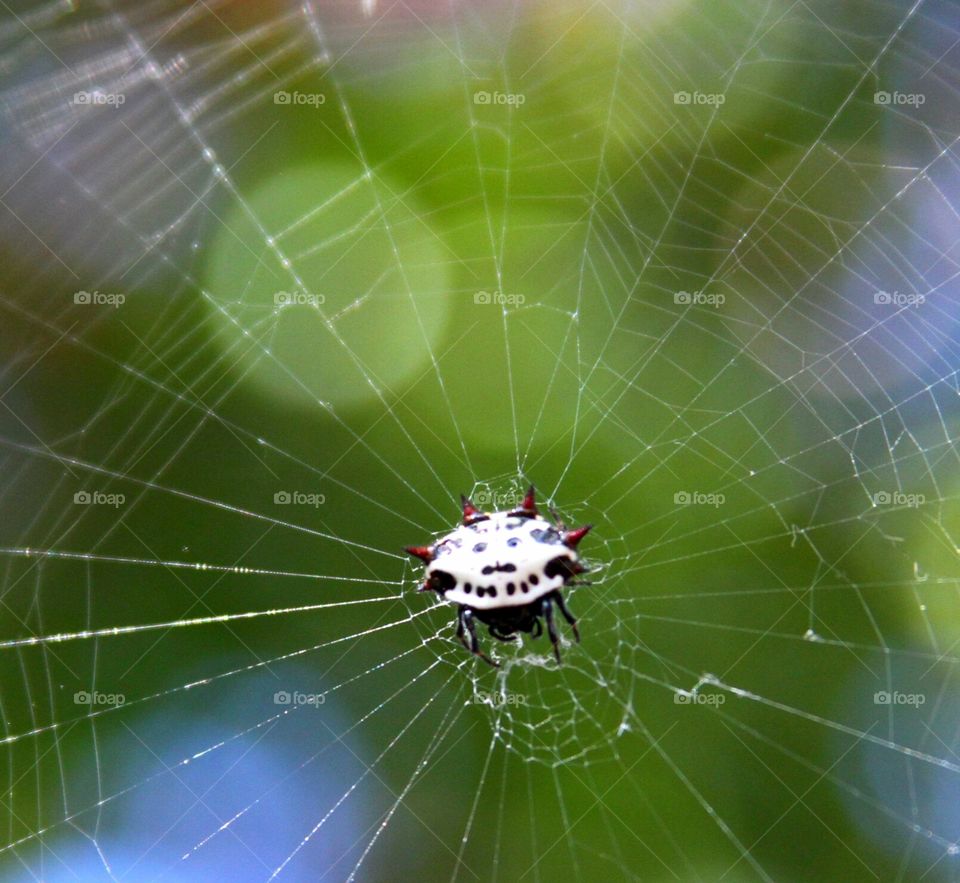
[[281, 281]]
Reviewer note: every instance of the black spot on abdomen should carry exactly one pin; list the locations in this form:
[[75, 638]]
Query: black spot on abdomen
[[443, 581], [561, 566]]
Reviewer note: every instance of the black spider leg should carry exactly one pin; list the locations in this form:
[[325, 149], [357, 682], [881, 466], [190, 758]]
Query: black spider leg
[[501, 636], [465, 618], [557, 520], [575, 571], [537, 628], [567, 615], [546, 607]]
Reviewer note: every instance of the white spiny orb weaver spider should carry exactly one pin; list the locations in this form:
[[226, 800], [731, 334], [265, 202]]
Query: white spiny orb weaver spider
[[505, 569]]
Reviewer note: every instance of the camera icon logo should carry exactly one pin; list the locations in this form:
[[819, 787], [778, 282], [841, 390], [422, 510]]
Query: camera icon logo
[[282, 498], [681, 498], [882, 498], [281, 697], [82, 498], [482, 297], [883, 297], [482, 97], [82, 297], [81, 697], [683, 297], [681, 97], [881, 97], [281, 97]]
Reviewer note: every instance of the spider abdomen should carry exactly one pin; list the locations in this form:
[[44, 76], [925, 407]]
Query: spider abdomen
[[504, 569]]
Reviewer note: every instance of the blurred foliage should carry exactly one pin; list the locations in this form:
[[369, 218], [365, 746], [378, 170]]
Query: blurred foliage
[[406, 206]]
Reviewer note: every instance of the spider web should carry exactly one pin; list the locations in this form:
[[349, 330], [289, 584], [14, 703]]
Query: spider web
[[280, 283]]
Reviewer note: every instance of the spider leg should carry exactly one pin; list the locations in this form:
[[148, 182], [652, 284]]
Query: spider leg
[[501, 636], [465, 618], [557, 520], [547, 609], [537, 628], [568, 616]]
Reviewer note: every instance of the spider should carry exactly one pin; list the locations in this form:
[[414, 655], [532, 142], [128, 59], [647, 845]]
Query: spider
[[506, 570]]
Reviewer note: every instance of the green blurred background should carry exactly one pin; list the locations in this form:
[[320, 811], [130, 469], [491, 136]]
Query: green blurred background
[[684, 270]]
